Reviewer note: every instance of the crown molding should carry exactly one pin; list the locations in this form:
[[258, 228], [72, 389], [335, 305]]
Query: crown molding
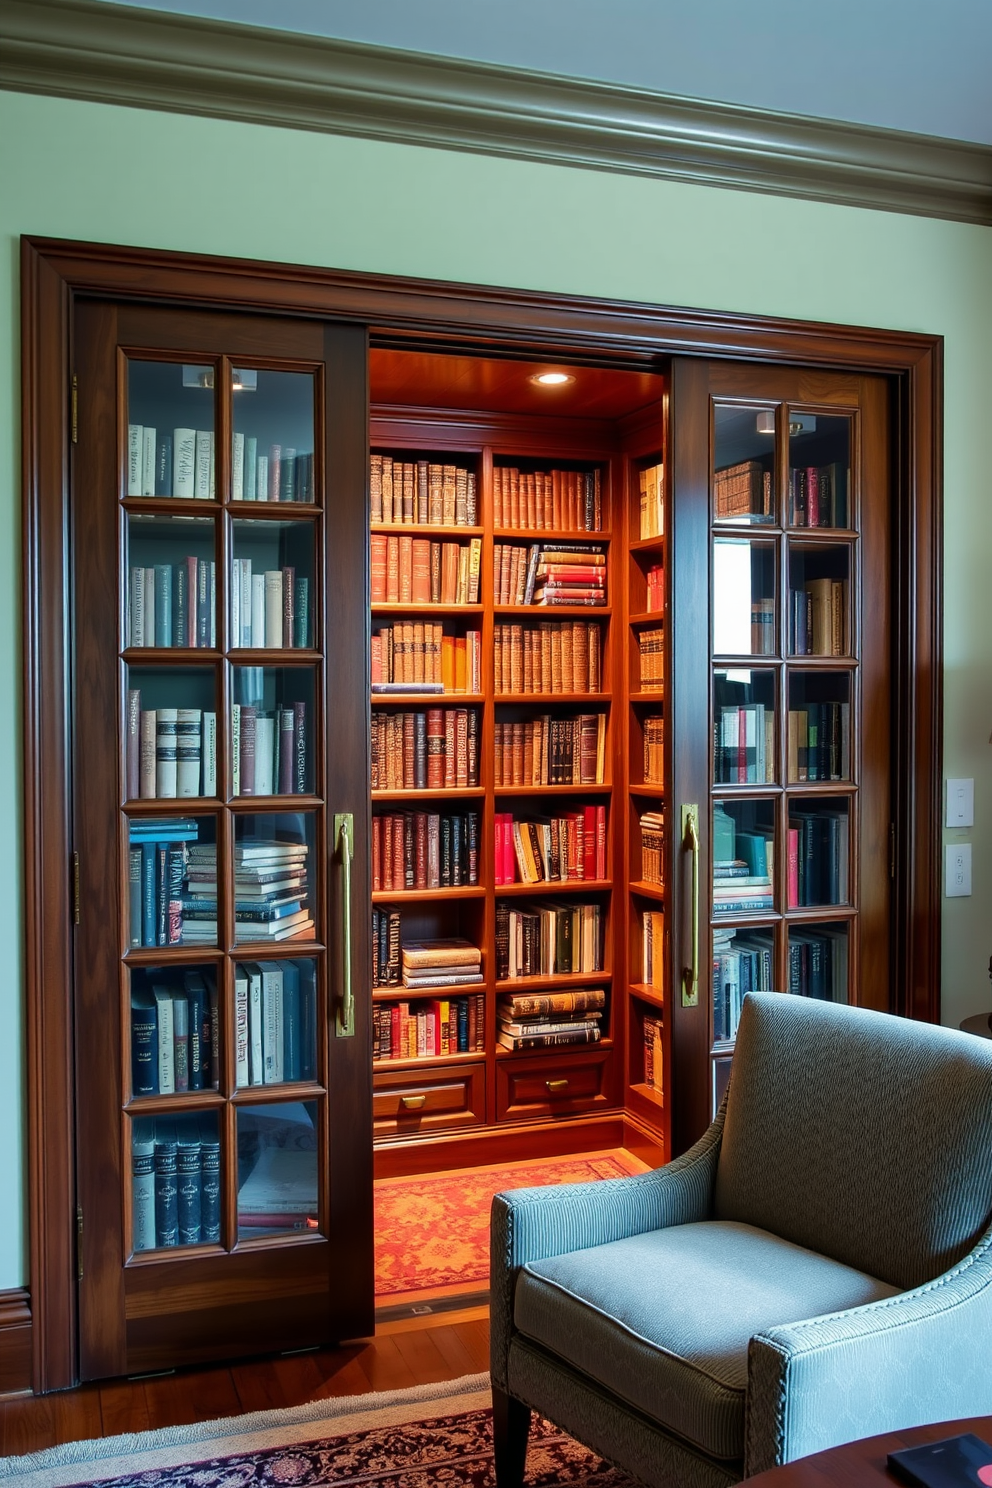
[[117, 54]]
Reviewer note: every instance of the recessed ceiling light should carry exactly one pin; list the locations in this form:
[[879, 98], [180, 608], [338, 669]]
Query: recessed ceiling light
[[552, 379]]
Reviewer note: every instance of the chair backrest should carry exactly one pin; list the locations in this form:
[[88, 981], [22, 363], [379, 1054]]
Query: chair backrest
[[860, 1135]]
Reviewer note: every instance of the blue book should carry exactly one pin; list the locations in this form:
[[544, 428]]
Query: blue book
[[308, 1020], [161, 893], [180, 608], [144, 1045], [292, 1063], [209, 1184], [134, 896], [199, 1018], [157, 829], [166, 1197], [149, 897], [188, 1191], [163, 604]]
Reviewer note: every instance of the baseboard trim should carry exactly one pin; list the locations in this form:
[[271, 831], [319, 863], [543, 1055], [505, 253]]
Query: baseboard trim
[[15, 1342]]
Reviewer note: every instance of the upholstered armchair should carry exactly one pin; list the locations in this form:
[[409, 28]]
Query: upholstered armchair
[[817, 1268]]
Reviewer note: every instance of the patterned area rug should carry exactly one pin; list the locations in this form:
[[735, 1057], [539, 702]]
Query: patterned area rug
[[432, 1231], [438, 1435]]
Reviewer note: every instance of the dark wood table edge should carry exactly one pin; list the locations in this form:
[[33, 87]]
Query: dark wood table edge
[[863, 1462]]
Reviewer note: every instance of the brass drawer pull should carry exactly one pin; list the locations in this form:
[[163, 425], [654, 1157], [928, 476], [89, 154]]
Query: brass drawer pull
[[413, 1102], [555, 1087]]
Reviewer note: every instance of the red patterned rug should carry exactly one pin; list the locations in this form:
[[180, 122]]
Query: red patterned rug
[[432, 1231]]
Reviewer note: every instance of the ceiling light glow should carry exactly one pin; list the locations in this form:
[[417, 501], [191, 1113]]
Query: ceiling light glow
[[552, 379]]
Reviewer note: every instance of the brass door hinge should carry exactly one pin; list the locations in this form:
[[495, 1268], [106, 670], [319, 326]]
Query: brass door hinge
[[74, 410], [79, 1242], [75, 888]]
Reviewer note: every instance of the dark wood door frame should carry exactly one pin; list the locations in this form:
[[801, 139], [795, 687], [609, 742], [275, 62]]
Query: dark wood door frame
[[448, 316]]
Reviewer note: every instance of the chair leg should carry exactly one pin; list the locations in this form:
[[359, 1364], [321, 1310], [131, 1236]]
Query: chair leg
[[511, 1427]]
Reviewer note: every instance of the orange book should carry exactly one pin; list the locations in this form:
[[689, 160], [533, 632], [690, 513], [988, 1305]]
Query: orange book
[[377, 566], [461, 668], [448, 663], [449, 572], [421, 570], [406, 569], [392, 570]]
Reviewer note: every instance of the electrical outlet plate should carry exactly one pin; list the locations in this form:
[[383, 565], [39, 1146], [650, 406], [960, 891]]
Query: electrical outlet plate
[[957, 870], [959, 809]]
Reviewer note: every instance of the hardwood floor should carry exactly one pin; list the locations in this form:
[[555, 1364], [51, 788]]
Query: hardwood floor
[[413, 1351]]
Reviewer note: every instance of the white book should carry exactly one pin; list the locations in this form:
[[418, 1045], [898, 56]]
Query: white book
[[236, 602], [251, 467], [244, 614], [262, 479], [235, 749], [257, 610], [265, 734], [256, 1069], [148, 462], [238, 468], [189, 751], [165, 1008], [272, 1022], [273, 608], [212, 481], [213, 603], [149, 606], [183, 462], [136, 608], [135, 444], [241, 1026], [147, 740], [166, 723], [202, 487], [143, 1193], [209, 751]]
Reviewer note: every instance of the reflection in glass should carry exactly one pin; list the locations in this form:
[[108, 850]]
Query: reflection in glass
[[819, 853], [743, 727], [743, 464], [743, 857], [171, 735], [272, 453], [171, 577], [819, 469], [273, 876], [271, 719], [163, 856], [819, 745], [175, 1181], [271, 588], [743, 962], [170, 450], [818, 961], [819, 601], [743, 598], [275, 1021], [174, 1030], [277, 1168]]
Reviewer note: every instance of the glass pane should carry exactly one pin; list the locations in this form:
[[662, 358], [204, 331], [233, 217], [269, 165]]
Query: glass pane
[[556, 656], [743, 961], [277, 1169], [426, 749], [819, 469], [275, 1022], [170, 411], [818, 957], [274, 868], [819, 853], [171, 738], [175, 1182], [743, 464], [161, 851], [272, 584], [743, 857], [271, 722], [743, 727], [819, 726], [744, 598], [429, 850], [273, 449], [819, 601], [174, 1030], [171, 581]]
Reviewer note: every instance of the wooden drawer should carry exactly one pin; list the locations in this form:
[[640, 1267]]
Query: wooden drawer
[[551, 1084], [408, 1102]]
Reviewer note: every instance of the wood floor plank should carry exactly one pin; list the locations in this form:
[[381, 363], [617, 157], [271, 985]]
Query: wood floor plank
[[455, 1349], [124, 1406], [420, 1351], [77, 1414], [191, 1395], [384, 1366], [275, 1384], [29, 1425], [342, 1377]]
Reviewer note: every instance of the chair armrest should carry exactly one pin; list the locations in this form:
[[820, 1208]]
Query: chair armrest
[[531, 1224], [908, 1360]]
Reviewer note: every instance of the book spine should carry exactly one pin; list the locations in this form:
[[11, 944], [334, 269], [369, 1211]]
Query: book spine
[[188, 1193], [301, 772], [247, 749], [210, 1191], [273, 609], [163, 465], [203, 455], [184, 462], [165, 752], [143, 1194]]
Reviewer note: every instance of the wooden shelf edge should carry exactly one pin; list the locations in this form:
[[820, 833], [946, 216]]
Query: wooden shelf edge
[[519, 699], [648, 1093], [553, 983], [431, 792], [429, 1061], [548, 536], [543, 790], [654, 995], [427, 896], [554, 1051], [423, 529], [421, 607], [553, 886], [427, 699], [646, 890]]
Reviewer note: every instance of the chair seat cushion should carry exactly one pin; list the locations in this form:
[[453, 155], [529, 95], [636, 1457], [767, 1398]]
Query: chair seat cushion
[[663, 1319]]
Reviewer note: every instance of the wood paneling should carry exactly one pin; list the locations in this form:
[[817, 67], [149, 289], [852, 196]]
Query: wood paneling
[[15, 1342]]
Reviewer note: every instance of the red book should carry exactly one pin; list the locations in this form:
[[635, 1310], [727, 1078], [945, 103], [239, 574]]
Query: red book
[[450, 746], [420, 850], [793, 867], [600, 841], [398, 854], [376, 854], [509, 855], [378, 567], [435, 748], [248, 717], [812, 497], [275, 465], [387, 851], [421, 578], [498, 848], [589, 842]]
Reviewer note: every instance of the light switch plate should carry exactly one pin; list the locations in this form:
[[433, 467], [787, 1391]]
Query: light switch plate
[[959, 809], [957, 870]]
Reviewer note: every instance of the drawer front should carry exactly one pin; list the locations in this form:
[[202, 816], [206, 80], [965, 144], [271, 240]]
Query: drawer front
[[552, 1085], [408, 1102]]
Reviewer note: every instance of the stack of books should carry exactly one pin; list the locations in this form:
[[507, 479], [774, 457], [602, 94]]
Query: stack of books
[[451, 962], [270, 892], [541, 1021], [570, 574]]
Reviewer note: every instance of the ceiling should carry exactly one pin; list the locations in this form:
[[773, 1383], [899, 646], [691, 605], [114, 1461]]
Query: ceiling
[[920, 66]]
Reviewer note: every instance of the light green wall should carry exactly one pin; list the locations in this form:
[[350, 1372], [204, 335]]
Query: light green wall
[[77, 170]]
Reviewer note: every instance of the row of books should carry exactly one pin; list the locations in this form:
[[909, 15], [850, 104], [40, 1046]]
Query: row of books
[[819, 854], [651, 658], [652, 1032], [172, 604], [269, 750], [283, 473], [651, 509], [415, 570], [175, 1182], [157, 858], [818, 495], [818, 623], [743, 866], [744, 744], [422, 492], [432, 750], [548, 500], [548, 939], [552, 657], [743, 491], [817, 964], [387, 948], [419, 655], [269, 610], [764, 641], [741, 964], [652, 827], [546, 1022], [179, 462], [569, 750], [655, 584], [428, 1029], [169, 752], [271, 892], [424, 850], [275, 1022], [560, 573], [550, 849], [654, 748], [820, 742], [175, 1032], [653, 948]]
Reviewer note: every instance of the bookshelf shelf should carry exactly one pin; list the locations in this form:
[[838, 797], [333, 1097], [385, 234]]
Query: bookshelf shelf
[[431, 793], [644, 696], [648, 545], [427, 1062], [504, 791], [652, 789], [555, 887], [646, 617], [428, 699], [648, 1093], [410, 607], [555, 612], [651, 995], [427, 896], [556, 983], [550, 699], [425, 529], [548, 537], [647, 890]]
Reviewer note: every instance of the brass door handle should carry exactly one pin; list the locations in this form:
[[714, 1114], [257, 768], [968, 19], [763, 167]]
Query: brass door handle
[[344, 826], [555, 1087], [690, 843], [413, 1102]]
